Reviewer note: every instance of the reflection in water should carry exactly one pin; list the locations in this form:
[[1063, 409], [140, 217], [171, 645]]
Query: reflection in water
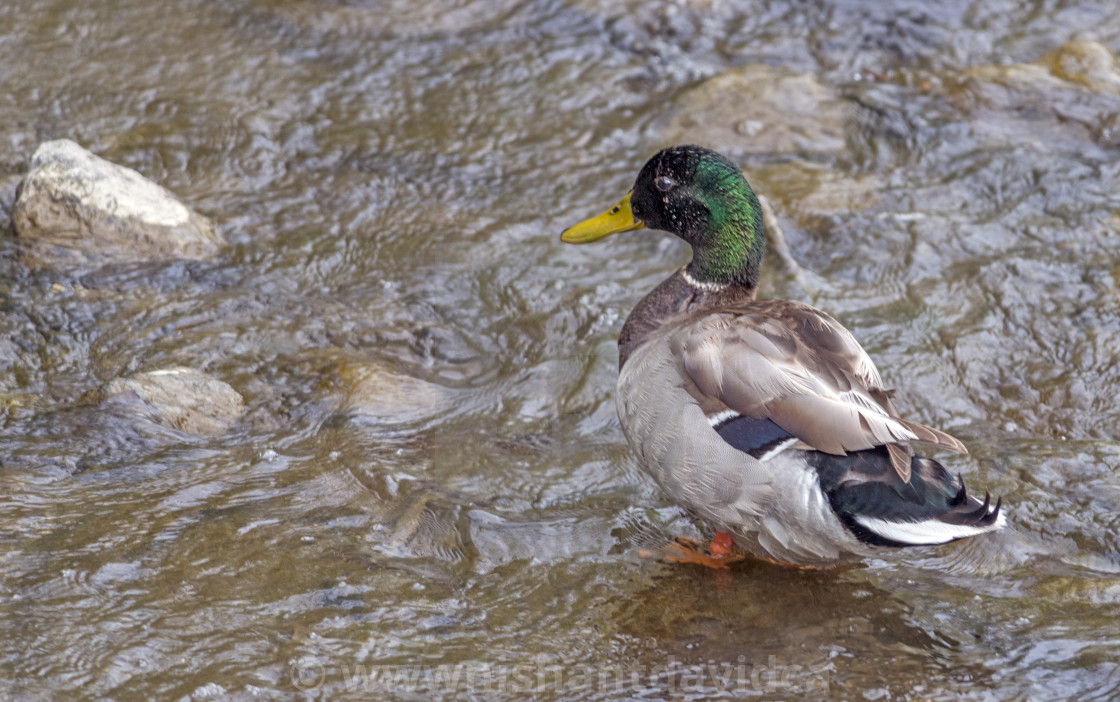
[[430, 472]]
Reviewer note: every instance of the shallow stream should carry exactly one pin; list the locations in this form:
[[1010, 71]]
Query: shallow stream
[[429, 495]]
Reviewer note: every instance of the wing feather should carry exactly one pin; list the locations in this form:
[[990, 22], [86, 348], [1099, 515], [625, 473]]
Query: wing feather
[[795, 365]]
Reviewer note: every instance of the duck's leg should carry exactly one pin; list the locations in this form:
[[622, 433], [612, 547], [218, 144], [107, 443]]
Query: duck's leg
[[722, 545], [719, 553]]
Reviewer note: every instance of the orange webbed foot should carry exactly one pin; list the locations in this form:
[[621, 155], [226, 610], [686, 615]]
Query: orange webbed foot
[[718, 554]]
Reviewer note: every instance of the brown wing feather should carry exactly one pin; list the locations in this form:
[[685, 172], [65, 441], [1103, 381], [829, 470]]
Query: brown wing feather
[[797, 366]]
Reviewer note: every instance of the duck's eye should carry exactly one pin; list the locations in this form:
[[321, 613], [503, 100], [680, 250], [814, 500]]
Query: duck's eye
[[664, 183]]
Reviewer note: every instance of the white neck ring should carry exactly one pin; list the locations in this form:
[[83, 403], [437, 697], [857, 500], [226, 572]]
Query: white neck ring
[[706, 287]]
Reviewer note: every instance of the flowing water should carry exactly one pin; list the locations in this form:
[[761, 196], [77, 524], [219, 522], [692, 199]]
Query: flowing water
[[429, 495]]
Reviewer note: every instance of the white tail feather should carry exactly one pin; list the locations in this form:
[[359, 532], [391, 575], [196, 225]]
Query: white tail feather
[[930, 531]]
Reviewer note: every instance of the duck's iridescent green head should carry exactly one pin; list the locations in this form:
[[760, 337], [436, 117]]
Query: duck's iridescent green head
[[701, 197]]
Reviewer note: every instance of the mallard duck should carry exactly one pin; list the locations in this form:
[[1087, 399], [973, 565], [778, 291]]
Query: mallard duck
[[765, 418]]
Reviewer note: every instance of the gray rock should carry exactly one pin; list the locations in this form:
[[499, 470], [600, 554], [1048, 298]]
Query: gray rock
[[185, 399], [74, 207]]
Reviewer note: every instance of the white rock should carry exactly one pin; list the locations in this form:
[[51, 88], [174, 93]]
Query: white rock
[[74, 207], [185, 399]]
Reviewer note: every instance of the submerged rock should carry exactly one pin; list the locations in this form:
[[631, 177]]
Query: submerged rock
[[760, 110], [373, 391], [1082, 66], [74, 207], [788, 130], [1088, 63], [184, 399], [394, 18], [1051, 104], [808, 191]]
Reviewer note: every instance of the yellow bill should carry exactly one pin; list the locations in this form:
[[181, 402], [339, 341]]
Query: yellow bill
[[619, 218]]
